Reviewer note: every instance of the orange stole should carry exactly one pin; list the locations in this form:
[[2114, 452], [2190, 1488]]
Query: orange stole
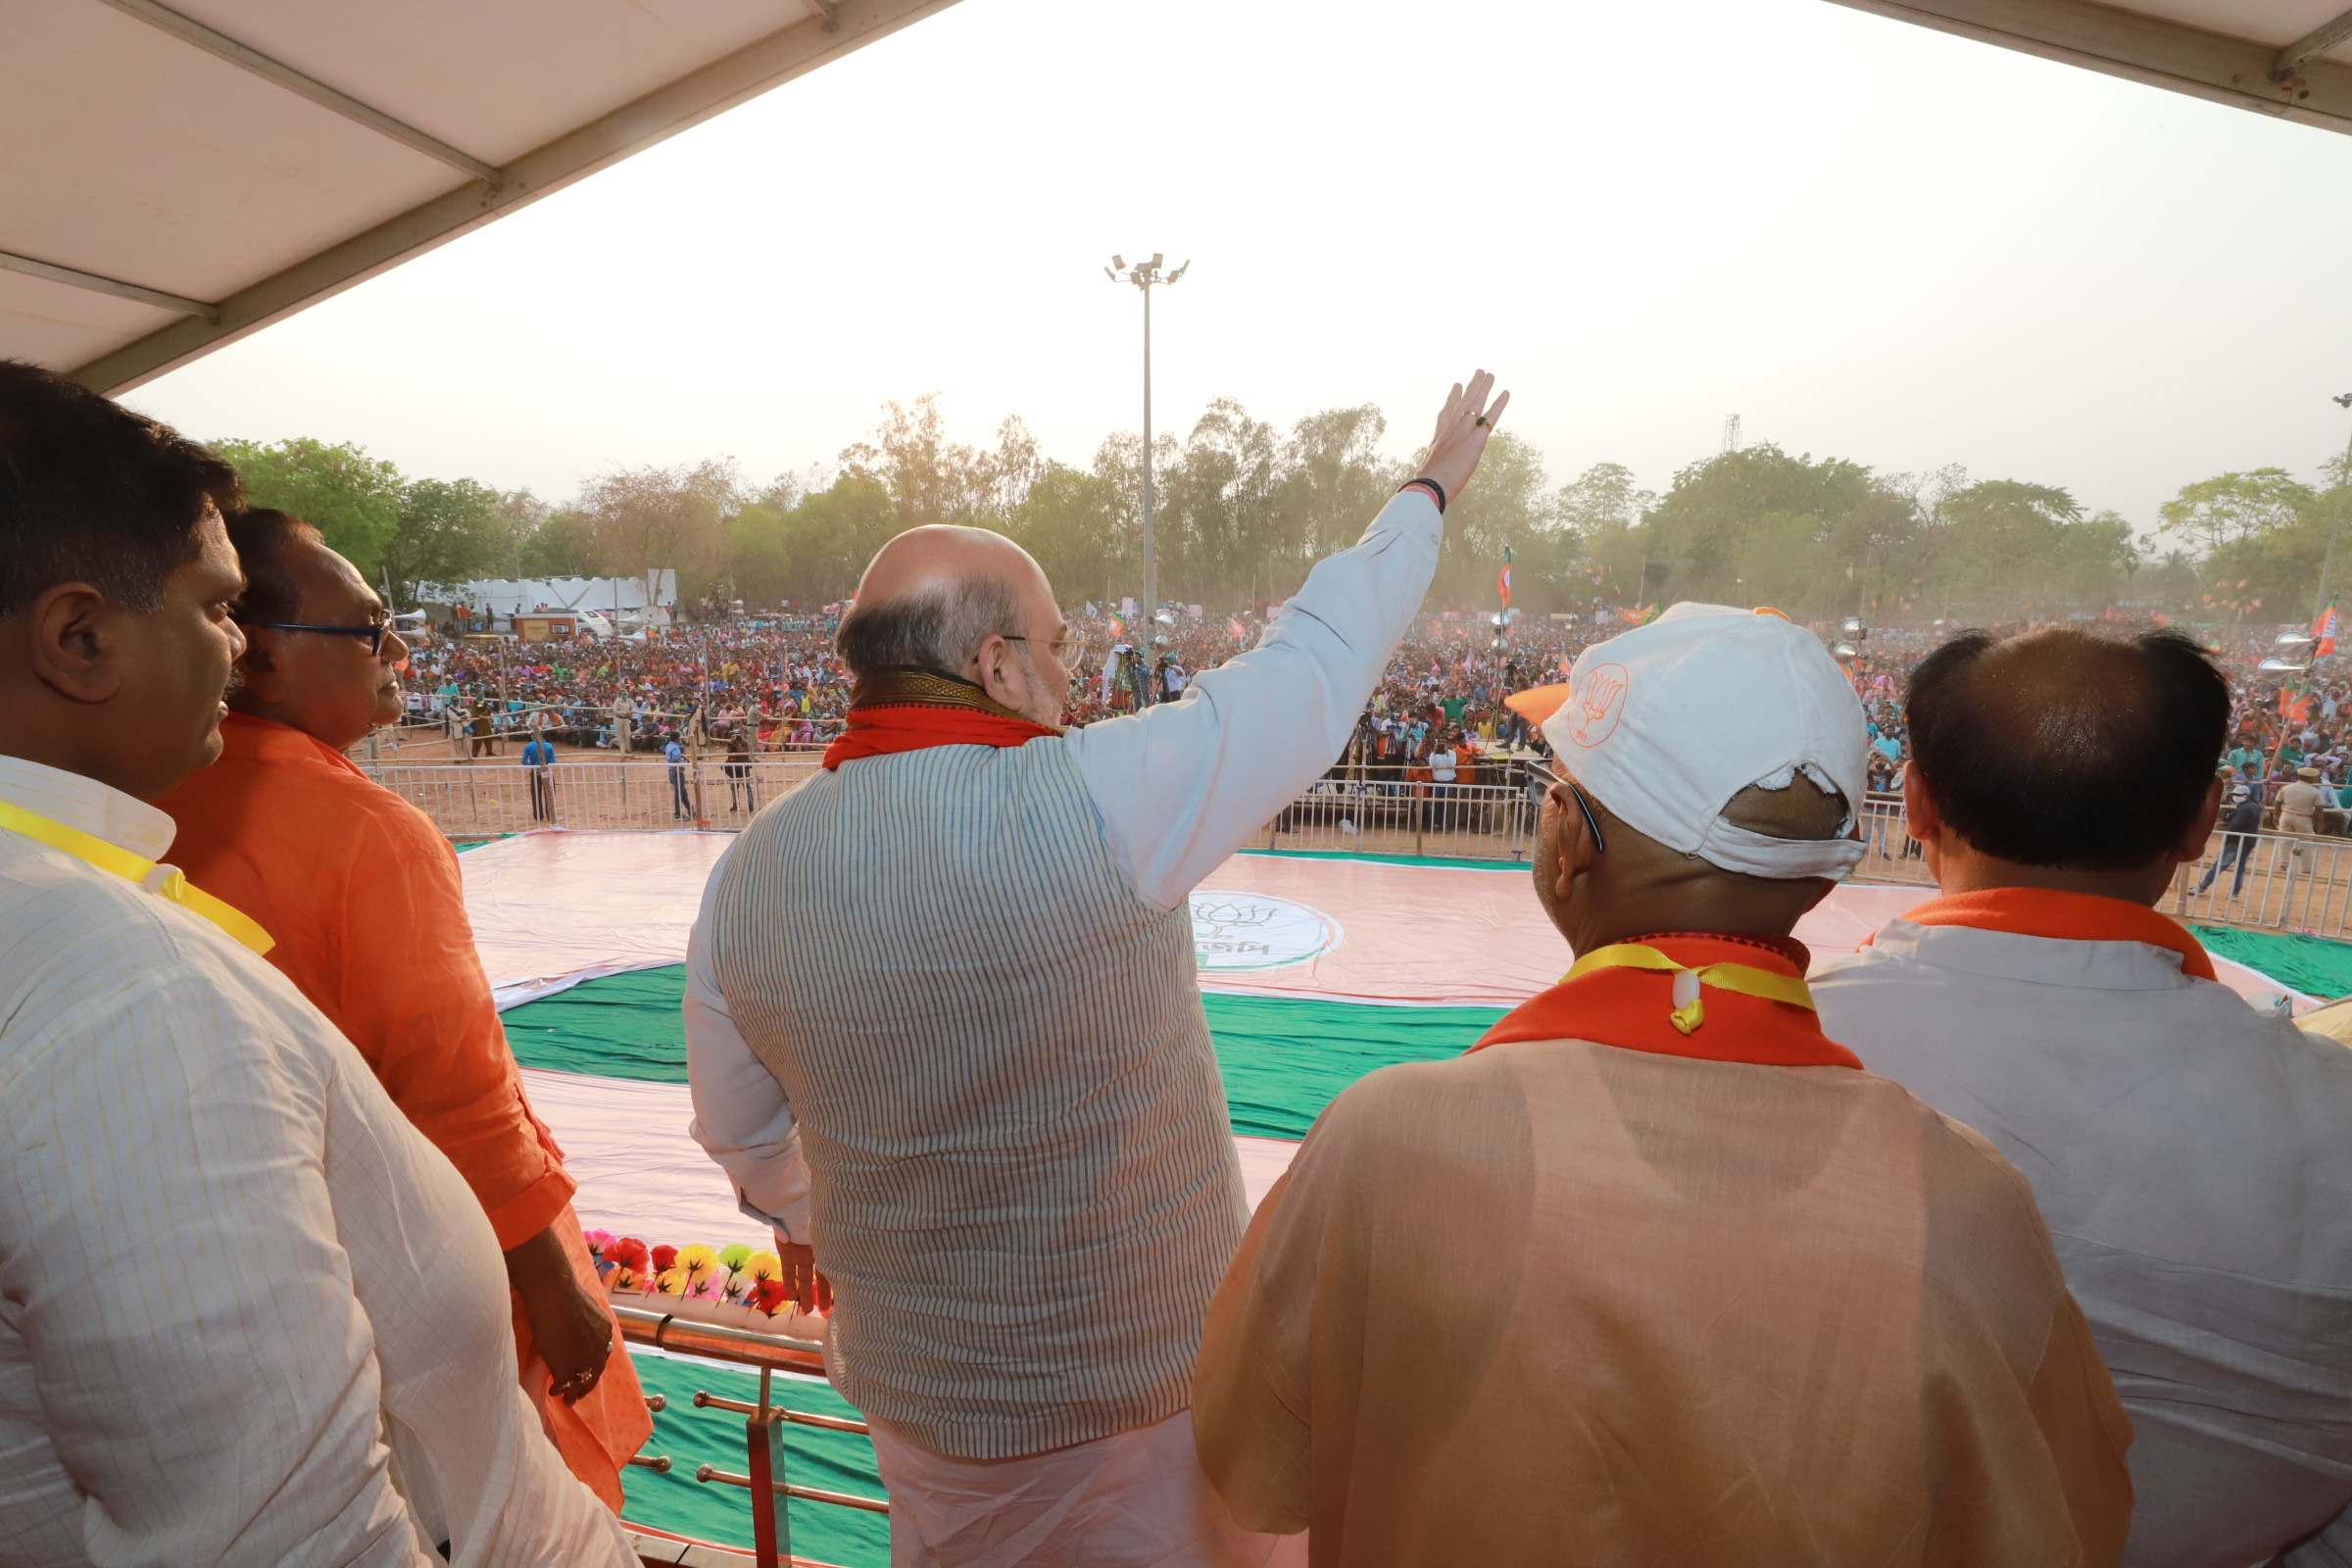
[[1633, 1009], [2066, 917]]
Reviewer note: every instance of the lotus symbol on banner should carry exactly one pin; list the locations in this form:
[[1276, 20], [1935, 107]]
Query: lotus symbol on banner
[[1256, 931]]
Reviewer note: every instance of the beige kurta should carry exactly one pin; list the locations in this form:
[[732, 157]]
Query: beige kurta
[[1557, 1302]]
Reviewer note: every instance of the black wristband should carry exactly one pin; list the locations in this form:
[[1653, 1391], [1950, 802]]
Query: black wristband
[[1435, 489]]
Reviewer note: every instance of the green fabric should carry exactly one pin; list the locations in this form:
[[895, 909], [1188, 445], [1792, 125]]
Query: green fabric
[[2313, 965], [1283, 1058], [616, 1026], [1519, 866], [836, 1461]]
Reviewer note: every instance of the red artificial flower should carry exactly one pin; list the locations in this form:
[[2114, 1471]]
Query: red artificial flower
[[631, 1253], [664, 1257], [768, 1296]]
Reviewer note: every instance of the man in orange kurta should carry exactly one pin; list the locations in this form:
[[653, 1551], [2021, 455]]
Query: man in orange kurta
[[361, 893]]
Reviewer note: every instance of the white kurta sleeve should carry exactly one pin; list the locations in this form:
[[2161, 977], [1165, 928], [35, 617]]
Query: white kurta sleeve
[[169, 1253], [1183, 785], [741, 1116]]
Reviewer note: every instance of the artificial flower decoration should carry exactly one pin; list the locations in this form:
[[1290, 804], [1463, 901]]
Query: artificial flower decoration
[[696, 1257], [597, 1242], [620, 1277], [672, 1280], [763, 1266], [734, 1255], [769, 1297], [629, 1252], [664, 1257]]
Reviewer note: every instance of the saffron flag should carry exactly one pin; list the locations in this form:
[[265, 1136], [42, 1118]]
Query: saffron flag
[[1503, 582], [2323, 632]]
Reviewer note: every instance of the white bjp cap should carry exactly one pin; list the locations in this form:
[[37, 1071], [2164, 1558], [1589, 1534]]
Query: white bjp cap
[[1670, 720]]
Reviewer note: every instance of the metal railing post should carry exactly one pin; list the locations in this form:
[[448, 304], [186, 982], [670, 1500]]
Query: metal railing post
[[771, 1516]]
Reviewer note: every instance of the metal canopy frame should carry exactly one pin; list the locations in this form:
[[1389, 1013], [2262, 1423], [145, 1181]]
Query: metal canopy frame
[[837, 27], [2288, 83]]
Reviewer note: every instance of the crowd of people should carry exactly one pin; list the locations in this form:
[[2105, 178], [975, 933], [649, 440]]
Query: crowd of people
[[2011, 1238]]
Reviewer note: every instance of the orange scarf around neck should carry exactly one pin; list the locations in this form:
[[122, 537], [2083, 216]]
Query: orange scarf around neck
[[2067, 918], [909, 710], [1632, 1006]]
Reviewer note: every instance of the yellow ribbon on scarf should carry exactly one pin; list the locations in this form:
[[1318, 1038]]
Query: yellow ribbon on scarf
[[1689, 1011], [114, 857]]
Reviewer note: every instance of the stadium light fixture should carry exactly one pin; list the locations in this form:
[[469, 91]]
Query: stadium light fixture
[[1143, 275]]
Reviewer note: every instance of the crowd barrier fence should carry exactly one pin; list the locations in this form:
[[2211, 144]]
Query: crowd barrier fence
[[2263, 881]]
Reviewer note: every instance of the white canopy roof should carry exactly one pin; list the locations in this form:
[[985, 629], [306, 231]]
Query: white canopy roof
[[176, 175], [2288, 57]]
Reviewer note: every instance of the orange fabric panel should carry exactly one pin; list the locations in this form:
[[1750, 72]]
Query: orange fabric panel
[[1694, 1313], [1631, 1008], [363, 895], [2067, 916], [597, 1435]]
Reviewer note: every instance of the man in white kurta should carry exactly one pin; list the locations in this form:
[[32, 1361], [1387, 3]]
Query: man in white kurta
[[2191, 1156], [235, 1284], [227, 1260]]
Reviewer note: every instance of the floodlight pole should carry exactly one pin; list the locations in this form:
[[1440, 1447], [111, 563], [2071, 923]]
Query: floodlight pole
[[1144, 274]]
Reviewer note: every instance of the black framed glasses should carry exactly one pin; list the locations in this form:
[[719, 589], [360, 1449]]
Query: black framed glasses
[[1552, 775], [375, 631]]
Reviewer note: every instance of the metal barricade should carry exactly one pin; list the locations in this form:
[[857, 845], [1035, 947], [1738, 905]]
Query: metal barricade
[[489, 799], [2263, 881], [1375, 815], [2273, 881], [765, 1475]]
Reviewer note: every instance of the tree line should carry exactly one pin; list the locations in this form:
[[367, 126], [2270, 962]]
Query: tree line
[[1242, 509]]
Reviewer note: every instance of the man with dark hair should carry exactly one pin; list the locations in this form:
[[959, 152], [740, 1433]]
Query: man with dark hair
[[302, 1275], [2188, 1152], [363, 892]]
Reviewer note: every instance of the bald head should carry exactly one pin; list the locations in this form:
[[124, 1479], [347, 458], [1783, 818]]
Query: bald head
[[2075, 747], [961, 602], [940, 556]]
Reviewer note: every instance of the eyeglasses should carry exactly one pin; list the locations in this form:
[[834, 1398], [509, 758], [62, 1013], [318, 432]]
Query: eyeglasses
[[1061, 648], [1551, 775], [375, 631]]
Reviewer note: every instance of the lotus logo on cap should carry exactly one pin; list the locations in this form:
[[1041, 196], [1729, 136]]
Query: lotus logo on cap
[[1599, 702]]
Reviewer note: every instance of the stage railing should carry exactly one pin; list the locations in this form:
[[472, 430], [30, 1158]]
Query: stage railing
[[765, 1476], [2273, 881]]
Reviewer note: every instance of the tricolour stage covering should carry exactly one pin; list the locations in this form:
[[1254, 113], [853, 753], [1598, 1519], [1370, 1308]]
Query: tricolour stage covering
[[1314, 970]]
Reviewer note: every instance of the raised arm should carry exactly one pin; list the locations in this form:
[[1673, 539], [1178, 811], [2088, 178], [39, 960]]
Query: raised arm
[[1181, 786]]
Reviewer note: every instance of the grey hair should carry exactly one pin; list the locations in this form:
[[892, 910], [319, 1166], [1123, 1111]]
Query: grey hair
[[938, 629]]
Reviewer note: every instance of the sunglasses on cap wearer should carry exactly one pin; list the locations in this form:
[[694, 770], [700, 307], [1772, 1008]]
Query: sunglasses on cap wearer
[[1552, 775], [374, 632]]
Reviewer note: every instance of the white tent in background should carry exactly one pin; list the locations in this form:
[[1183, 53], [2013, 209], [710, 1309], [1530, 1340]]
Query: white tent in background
[[501, 598]]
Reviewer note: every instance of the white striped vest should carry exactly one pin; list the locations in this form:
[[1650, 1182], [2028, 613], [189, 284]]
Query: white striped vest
[[1026, 1188]]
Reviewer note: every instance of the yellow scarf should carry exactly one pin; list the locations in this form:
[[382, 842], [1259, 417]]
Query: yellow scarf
[[112, 858]]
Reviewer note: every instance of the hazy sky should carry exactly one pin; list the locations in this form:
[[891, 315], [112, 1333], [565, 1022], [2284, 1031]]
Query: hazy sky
[[1866, 239]]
